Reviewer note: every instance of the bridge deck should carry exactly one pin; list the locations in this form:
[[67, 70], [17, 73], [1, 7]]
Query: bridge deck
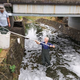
[[46, 9], [33, 7]]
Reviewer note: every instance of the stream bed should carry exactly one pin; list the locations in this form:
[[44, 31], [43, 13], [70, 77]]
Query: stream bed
[[65, 58]]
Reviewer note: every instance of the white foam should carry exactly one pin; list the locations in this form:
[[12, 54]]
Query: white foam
[[33, 75], [47, 26], [76, 68]]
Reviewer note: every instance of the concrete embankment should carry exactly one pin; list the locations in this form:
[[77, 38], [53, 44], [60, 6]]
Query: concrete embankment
[[71, 32], [13, 56]]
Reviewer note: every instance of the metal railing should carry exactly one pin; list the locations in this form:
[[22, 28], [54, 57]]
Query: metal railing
[[62, 2]]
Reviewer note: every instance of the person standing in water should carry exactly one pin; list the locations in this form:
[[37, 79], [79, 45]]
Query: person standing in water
[[45, 50]]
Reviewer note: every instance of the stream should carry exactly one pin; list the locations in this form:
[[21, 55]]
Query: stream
[[65, 57]]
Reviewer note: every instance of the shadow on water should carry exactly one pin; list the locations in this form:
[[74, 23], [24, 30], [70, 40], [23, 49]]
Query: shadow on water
[[65, 58]]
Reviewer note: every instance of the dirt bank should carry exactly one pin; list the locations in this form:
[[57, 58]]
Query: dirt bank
[[13, 56]]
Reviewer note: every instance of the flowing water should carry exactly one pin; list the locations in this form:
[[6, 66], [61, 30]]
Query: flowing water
[[65, 58]]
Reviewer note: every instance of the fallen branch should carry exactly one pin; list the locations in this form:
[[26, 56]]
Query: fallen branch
[[4, 75]]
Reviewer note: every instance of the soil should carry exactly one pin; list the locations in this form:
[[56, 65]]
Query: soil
[[12, 56]]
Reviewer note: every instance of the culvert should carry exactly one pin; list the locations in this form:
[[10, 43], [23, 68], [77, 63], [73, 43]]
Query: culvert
[[18, 24]]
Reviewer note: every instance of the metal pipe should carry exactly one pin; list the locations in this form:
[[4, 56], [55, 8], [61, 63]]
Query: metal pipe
[[26, 37], [19, 35], [23, 36], [50, 15]]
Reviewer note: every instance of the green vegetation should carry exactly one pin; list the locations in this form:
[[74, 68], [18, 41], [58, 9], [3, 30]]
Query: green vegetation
[[12, 68], [0, 50], [33, 18], [18, 17], [14, 78], [4, 60]]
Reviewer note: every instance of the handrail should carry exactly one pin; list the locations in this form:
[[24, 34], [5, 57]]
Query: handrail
[[41, 2]]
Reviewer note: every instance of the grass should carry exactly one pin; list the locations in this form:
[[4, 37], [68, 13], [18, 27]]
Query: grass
[[18, 17], [0, 50], [33, 18]]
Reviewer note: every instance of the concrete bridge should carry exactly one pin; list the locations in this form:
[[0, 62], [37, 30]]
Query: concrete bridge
[[56, 8]]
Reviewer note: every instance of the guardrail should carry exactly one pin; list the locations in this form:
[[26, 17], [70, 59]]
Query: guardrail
[[50, 2]]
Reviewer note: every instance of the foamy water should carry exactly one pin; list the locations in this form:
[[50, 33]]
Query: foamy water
[[65, 58]]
